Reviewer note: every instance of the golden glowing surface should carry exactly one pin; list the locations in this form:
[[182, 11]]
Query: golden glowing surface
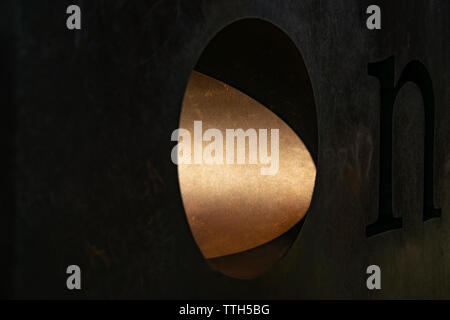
[[232, 207]]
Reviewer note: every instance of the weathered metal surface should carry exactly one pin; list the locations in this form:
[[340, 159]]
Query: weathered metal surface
[[89, 169]]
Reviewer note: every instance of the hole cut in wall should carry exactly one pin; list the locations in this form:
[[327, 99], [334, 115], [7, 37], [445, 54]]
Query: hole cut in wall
[[251, 76]]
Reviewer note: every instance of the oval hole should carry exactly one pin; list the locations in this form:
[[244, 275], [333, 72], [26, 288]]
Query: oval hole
[[244, 213]]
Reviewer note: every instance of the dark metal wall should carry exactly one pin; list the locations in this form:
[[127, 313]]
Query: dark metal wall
[[89, 170]]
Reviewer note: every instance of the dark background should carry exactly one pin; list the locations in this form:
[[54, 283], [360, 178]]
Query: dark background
[[85, 129]]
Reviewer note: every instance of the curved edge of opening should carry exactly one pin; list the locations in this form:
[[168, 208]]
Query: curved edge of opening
[[258, 57]]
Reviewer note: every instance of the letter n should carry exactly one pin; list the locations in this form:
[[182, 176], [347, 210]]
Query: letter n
[[414, 72]]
